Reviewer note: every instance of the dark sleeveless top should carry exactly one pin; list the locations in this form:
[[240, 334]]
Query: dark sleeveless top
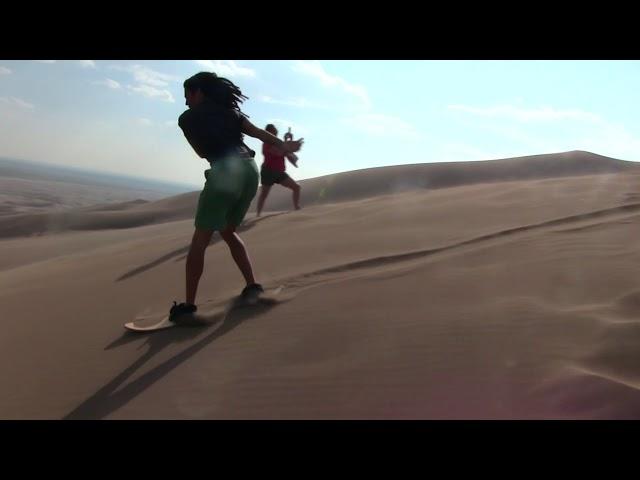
[[214, 132]]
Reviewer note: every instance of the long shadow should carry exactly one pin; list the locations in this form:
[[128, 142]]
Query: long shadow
[[107, 400], [155, 263], [180, 252], [160, 339]]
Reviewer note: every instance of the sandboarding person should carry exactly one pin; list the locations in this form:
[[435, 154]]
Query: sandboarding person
[[214, 126], [273, 169]]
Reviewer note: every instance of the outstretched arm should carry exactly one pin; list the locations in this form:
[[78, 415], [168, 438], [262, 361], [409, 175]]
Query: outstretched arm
[[292, 157], [250, 129]]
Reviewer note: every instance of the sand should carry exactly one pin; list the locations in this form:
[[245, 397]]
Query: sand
[[503, 289]]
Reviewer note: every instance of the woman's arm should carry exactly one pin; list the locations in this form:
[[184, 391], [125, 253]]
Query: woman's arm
[[250, 129], [293, 158]]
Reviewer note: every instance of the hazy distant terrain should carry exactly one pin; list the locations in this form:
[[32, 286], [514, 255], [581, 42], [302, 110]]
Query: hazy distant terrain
[[28, 187]]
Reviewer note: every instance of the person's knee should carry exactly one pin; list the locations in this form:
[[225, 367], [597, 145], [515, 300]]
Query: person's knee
[[226, 236], [291, 185], [196, 250], [199, 245], [200, 241], [229, 235]]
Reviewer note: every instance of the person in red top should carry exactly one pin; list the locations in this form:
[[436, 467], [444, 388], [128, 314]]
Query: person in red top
[[273, 171]]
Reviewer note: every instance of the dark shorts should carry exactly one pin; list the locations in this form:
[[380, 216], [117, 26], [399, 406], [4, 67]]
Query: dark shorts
[[268, 177]]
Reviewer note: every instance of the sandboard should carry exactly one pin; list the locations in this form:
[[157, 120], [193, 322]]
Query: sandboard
[[157, 322]]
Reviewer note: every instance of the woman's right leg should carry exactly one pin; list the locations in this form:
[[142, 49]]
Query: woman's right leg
[[195, 262], [235, 217], [239, 253], [291, 184], [264, 191]]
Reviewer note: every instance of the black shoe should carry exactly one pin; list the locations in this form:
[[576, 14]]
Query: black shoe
[[251, 292], [179, 310], [252, 288]]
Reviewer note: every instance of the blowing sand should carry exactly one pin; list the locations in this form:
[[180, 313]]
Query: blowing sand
[[486, 290]]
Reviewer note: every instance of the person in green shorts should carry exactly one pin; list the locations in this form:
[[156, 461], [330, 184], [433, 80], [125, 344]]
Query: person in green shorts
[[214, 126]]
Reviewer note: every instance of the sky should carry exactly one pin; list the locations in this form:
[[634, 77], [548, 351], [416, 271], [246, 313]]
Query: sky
[[120, 116]]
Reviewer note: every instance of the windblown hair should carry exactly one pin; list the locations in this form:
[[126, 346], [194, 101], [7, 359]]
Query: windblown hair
[[216, 89]]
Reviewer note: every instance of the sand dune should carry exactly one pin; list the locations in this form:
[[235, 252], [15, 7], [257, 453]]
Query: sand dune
[[329, 189], [388, 180], [504, 289]]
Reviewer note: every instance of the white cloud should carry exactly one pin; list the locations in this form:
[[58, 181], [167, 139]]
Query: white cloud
[[381, 125], [152, 92], [572, 129], [148, 82], [147, 122], [226, 68], [315, 69], [527, 114], [5, 71], [87, 63], [147, 76], [16, 102], [82, 63], [109, 83], [292, 102]]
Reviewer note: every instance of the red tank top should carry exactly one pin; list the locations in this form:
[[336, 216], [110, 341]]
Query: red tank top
[[272, 159]]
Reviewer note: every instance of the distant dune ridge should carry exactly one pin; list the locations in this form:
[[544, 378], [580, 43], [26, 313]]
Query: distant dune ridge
[[339, 187], [500, 289]]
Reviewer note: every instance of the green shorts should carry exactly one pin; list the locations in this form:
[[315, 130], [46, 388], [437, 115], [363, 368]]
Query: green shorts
[[268, 177], [231, 184]]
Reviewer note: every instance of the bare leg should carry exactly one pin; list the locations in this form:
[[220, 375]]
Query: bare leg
[[239, 253], [195, 262], [291, 184], [264, 191]]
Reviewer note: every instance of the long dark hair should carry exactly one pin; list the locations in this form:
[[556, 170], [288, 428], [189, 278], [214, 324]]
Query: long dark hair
[[217, 89]]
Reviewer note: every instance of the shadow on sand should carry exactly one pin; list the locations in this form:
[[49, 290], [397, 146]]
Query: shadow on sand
[[182, 251], [107, 400]]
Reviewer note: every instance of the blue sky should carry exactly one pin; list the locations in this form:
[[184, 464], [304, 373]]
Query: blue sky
[[121, 116]]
